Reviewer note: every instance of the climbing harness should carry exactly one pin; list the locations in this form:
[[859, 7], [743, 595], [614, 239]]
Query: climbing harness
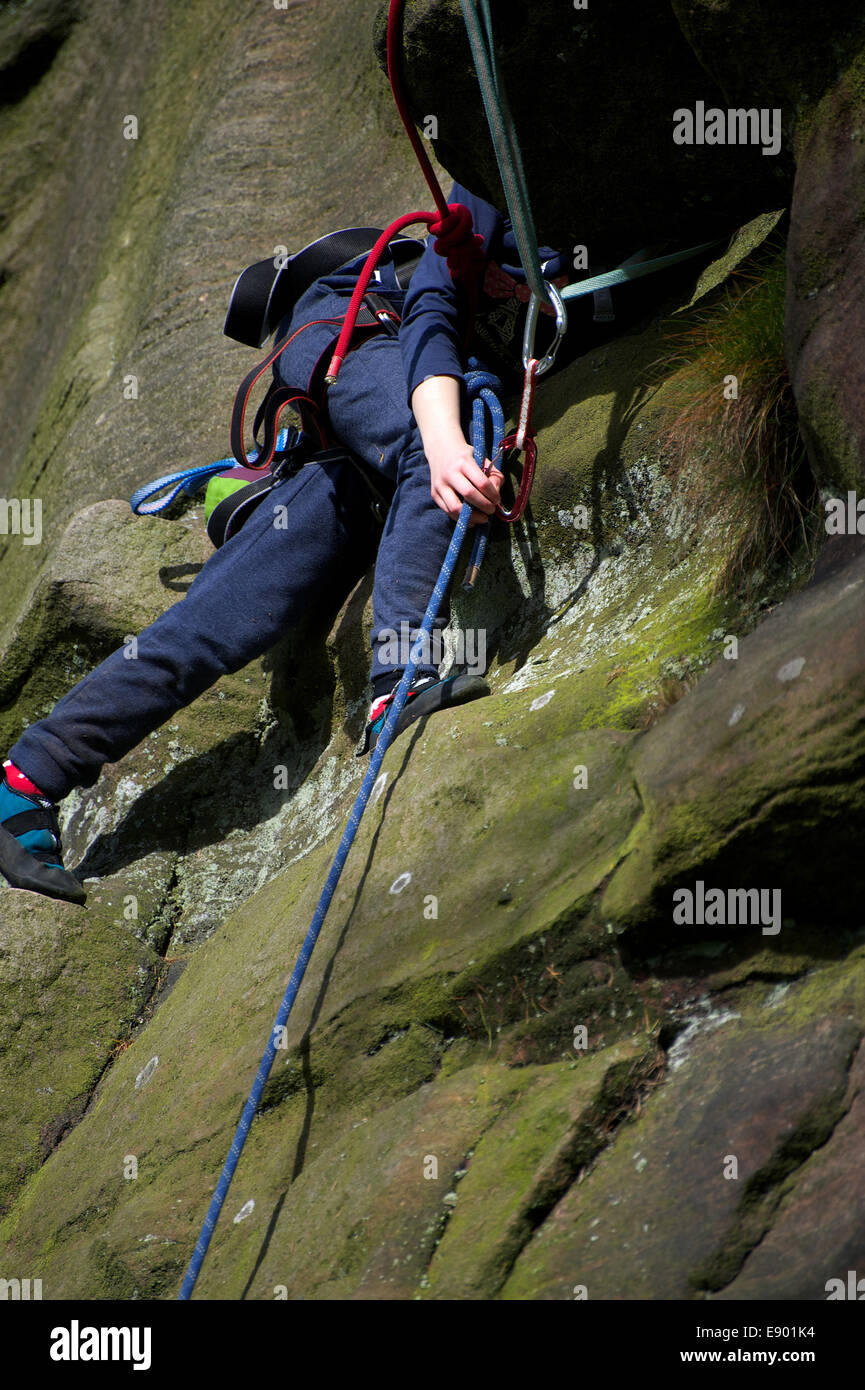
[[234, 490], [237, 485]]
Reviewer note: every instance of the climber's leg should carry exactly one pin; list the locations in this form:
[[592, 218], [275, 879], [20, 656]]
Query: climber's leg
[[259, 584], [371, 414]]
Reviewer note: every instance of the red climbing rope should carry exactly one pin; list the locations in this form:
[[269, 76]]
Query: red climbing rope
[[451, 225], [394, 53]]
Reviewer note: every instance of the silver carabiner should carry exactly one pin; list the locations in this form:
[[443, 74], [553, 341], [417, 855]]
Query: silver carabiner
[[531, 326]]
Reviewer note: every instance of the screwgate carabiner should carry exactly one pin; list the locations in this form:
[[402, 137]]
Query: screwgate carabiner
[[531, 324]]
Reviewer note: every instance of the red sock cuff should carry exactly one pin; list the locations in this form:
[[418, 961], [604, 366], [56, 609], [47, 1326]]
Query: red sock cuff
[[18, 782]]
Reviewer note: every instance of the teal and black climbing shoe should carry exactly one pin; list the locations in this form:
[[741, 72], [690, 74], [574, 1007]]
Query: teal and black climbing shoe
[[31, 855], [426, 694]]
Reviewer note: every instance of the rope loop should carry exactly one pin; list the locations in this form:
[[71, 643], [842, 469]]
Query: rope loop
[[458, 242]]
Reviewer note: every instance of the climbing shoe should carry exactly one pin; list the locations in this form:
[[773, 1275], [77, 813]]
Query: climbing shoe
[[426, 694], [31, 855]]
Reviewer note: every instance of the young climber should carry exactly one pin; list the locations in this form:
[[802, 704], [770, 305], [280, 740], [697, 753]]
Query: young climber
[[399, 405]]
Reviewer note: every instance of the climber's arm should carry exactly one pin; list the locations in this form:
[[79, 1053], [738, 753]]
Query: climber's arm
[[431, 340], [433, 318]]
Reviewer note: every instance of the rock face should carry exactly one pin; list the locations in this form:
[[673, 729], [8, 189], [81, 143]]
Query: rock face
[[826, 289], [606, 173], [586, 1015], [772, 53], [816, 75], [597, 114]]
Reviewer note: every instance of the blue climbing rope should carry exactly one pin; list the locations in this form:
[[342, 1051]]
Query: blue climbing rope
[[482, 390], [485, 397]]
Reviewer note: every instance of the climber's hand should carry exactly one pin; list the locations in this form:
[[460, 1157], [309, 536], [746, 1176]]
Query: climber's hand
[[455, 478]]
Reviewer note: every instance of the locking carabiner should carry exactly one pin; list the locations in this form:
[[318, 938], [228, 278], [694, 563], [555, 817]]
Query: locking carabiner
[[531, 325]]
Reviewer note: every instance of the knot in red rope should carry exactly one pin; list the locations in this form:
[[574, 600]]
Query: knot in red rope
[[455, 239]]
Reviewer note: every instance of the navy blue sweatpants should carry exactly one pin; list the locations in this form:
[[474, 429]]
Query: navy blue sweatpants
[[268, 577]]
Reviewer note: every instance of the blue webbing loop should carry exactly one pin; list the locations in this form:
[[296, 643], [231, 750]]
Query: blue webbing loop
[[632, 269], [187, 480], [478, 385]]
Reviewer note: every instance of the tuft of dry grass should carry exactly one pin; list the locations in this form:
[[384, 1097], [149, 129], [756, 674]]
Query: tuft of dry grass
[[669, 691], [730, 430]]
